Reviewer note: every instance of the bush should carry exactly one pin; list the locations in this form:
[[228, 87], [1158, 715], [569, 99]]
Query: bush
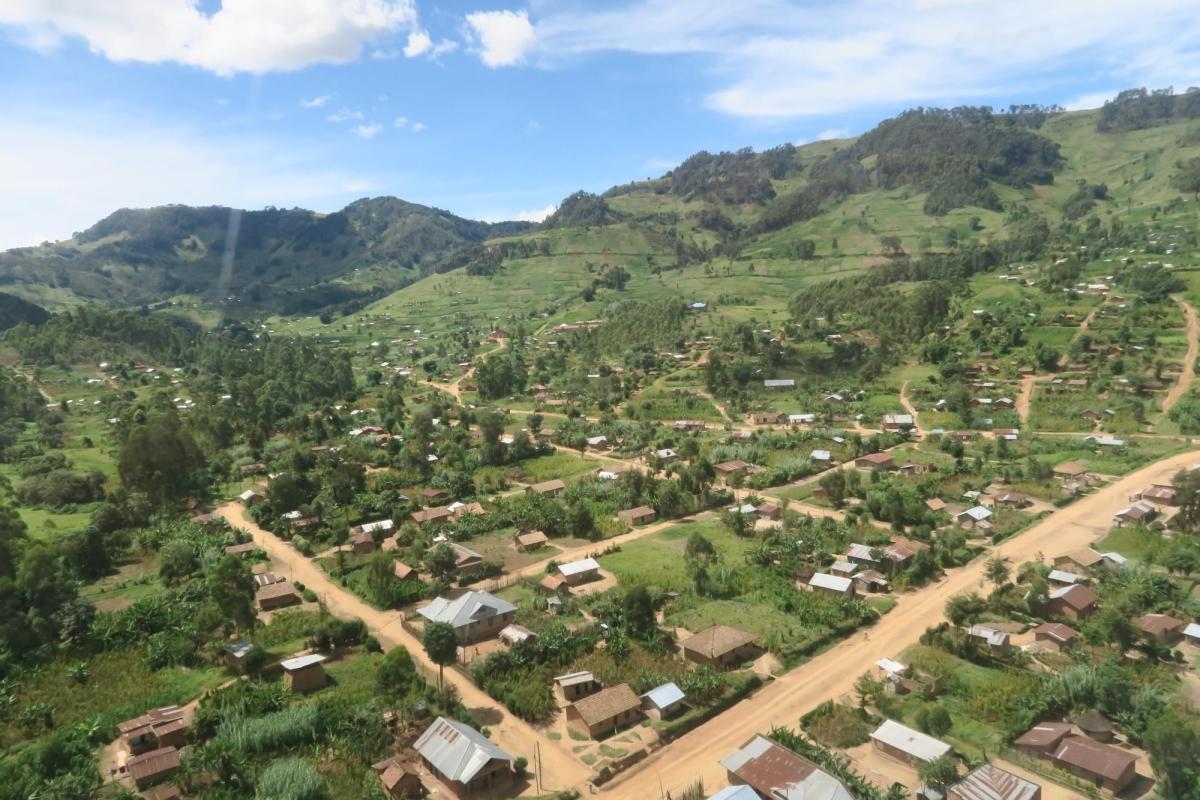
[[289, 779]]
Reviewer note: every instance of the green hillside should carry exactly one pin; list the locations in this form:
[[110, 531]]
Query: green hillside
[[290, 260], [743, 232]]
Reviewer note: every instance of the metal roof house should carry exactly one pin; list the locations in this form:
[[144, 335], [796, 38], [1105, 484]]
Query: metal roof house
[[662, 701], [474, 615], [462, 757], [989, 782], [773, 771], [907, 745]]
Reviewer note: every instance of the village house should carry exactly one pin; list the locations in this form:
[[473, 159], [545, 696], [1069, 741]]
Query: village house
[[1139, 512], [907, 745], [462, 758], [720, 645], [897, 422], [665, 456], [1161, 627], [241, 549], [997, 641], [554, 585], [431, 495], [642, 515], [1081, 560], [474, 615], [989, 782], [1073, 602], [871, 582], [1058, 577], [605, 711], [157, 728], [831, 584], [399, 778], [466, 560], [1009, 500], [769, 418], [235, 654], [277, 595], [1159, 494], [304, 673], [251, 498], [515, 634], [362, 544], [663, 702], [436, 515], [974, 518], [1055, 634], [551, 488], [576, 686], [727, 470], [773, 771], [1104, 765], [780, 383], [876, 462], [769, 510], [1043, 739], [403, 571], [149, 768], [530, 541], [579, 572]]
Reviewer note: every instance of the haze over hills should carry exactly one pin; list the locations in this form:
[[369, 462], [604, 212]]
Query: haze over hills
[[926, 181]]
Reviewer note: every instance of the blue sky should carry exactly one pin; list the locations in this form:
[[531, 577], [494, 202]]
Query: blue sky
[[496, 110]]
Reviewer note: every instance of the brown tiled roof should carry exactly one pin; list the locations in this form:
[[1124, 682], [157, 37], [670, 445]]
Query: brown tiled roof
[[1086, 557], [1070, 468], [245, 547], [1077, 596], [1056, 631], [607, 703], [1043, 735], [877, 458], [274, 590], [1155, 624], [167, 791], [160, 720], [431, 514], [401, 570], [635, 513], [717, 641], [152, 764], [548, 486], [532, 538], [1092, 756], [768, 768], [731, 466]]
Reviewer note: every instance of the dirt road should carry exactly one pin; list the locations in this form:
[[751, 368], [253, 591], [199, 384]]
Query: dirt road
[[1189, 362], [832, 674], [909, 408], [560, 770]]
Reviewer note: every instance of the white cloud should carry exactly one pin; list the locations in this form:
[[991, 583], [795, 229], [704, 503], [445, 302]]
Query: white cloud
[[417, 127], [255, 36], [503, 37], [367, 131], [443, 47], [134, 164], [418, 42], [779, 59], [1086, 101], [344, 115], [661, 164], [832, 133], [315, 102], [537, 215], [400, 122]]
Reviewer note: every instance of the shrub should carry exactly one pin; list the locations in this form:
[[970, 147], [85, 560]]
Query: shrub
[[289, 779]]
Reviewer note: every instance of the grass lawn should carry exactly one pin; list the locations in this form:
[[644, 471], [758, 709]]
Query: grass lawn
[[657, 560], [558, 465]]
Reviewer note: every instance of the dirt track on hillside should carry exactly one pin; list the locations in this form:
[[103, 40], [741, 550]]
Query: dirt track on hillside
[[1180, 389]]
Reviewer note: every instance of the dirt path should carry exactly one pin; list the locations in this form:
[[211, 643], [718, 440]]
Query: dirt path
[[560, 770], [911, 409], [1063, 360], [832, 674], [1189, 362], [1025, 398]]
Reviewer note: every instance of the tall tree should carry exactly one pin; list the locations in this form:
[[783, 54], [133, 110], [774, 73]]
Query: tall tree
[[441, 645]]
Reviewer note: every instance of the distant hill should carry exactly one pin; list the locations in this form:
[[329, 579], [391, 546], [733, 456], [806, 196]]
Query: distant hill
[[746, 231], [289, 260]]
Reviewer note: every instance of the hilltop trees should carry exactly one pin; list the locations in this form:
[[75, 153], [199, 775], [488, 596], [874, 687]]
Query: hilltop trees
[[160, 459]]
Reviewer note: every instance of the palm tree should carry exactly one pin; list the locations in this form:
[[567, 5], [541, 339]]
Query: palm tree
[[997, 570]]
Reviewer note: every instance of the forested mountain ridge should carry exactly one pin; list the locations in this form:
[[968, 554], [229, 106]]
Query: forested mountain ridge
[[288, 260]]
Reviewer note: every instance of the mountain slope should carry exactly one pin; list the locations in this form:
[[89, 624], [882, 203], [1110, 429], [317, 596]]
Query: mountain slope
[[745, 231], [284, 259]]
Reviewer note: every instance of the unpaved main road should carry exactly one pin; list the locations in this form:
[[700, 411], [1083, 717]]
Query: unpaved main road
[[560, 770], [832, 674]]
